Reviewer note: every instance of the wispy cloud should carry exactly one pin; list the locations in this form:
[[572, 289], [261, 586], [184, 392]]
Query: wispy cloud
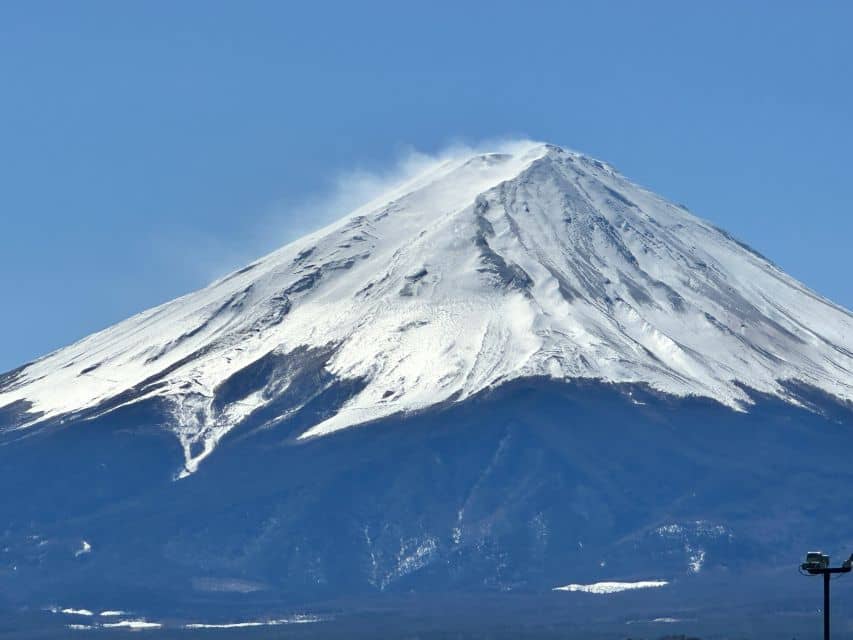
[[350, 189], [290, 218]]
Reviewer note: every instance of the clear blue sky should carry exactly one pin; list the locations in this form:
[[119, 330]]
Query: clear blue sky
[[147, 146]]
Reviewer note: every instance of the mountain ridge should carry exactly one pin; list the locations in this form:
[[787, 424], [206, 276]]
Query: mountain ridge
[[483, 269]]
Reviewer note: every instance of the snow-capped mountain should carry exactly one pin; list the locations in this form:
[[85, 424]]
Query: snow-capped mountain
[[570, 383], [483, 269]]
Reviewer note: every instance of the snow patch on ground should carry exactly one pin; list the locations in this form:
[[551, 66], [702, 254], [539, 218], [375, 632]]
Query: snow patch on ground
[[696, 558], [661, 620], [701, 528], [132, 624], [296, 619], [602, 588], [85, 547]]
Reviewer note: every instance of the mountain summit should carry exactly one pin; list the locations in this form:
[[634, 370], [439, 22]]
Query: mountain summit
[[481, 270]]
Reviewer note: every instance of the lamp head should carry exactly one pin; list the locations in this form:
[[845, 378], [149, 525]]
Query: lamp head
[[817, 560]]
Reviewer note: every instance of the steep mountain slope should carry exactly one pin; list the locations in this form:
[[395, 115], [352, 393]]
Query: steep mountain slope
[[538, 262], [568, 381]]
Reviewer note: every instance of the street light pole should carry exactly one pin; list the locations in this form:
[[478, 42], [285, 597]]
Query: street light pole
[[826, 606], [817, 564]]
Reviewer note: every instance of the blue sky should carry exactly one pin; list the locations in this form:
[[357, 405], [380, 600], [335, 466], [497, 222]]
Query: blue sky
[[148, 147]]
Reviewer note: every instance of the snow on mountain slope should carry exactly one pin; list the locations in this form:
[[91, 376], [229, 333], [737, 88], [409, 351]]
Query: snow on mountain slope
[[485, 268]]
